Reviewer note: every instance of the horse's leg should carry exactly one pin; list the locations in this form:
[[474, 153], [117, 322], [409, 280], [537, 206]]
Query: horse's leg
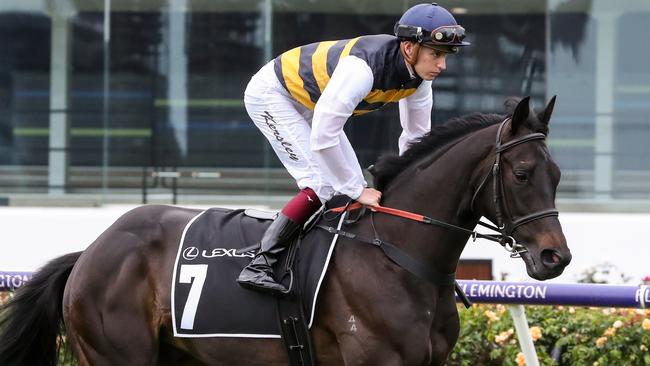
[[127, 341], [445, 327], [109, 304]]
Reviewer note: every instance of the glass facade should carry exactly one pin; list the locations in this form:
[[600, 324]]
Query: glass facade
[[124, 98]]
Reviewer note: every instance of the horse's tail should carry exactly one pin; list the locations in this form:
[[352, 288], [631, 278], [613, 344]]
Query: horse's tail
[[31, 323]]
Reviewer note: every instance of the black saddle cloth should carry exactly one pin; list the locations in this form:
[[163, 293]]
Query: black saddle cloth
[[206, 299]]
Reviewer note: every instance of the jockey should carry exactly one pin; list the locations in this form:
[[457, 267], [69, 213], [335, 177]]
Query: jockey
[[302, 99]]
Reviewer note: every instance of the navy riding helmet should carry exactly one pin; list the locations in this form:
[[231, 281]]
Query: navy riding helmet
[[432, 26]]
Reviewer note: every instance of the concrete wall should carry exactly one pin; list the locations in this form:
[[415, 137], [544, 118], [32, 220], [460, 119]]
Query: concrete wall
[[29, 237]]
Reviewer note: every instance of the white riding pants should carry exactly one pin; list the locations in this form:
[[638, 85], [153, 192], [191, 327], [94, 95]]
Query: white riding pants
[[287, 125]]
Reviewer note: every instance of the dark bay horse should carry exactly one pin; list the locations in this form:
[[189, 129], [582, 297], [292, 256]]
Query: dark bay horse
[[114, 297]]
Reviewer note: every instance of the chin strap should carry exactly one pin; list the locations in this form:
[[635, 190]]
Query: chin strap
[[414, 57]]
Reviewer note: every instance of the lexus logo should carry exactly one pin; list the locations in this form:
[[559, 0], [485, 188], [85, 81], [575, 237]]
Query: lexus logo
[[190, 253]]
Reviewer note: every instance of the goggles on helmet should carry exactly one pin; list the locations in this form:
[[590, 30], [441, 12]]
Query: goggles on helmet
[[446, 34]]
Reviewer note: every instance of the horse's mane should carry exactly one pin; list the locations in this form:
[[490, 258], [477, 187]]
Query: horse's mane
[[389, 166]]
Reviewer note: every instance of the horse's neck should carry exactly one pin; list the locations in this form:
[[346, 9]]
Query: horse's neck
[[443, 191]]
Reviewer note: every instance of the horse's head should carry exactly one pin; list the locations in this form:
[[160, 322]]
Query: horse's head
[[519, 193]]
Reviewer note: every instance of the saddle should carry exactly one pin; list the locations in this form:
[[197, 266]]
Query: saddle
[[207, 301]]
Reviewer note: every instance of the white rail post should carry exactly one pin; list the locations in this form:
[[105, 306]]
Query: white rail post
[[523, 334]]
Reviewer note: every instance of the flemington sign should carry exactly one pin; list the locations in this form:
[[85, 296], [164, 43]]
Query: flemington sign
[[541, 293], [496, 290], [13, 280], [527, 293]]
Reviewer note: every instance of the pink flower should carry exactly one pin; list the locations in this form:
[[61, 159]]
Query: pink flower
[[491, 315], [535, 333], [646, 280], [501, 338], [646, 324], [521, 359]]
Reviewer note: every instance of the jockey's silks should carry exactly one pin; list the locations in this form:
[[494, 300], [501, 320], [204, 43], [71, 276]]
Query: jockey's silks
[[305, 71]]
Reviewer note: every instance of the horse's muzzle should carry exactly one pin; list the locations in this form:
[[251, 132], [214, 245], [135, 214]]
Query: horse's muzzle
[[546, 264]]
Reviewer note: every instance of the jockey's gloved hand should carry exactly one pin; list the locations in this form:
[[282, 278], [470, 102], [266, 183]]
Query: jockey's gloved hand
[[369, 197]]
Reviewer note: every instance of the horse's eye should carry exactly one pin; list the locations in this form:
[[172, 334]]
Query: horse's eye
[[521, 175]]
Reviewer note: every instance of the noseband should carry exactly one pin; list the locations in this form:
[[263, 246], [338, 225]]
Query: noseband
[[507, 224]]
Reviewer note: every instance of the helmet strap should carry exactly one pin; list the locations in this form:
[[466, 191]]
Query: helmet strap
[[411, 60]]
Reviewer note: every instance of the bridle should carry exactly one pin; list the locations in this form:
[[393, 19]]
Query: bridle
[[507, 224]]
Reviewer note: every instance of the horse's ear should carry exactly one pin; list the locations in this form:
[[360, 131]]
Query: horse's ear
[[372, 170], [521, 113], [545, 116]]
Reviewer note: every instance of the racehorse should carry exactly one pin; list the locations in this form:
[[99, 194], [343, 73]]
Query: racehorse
[[114, 297]]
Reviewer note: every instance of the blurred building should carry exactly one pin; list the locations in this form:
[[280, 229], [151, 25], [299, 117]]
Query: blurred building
[[97, 98]]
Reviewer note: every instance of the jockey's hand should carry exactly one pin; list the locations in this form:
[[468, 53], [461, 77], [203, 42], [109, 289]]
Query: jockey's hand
[[369, 197]]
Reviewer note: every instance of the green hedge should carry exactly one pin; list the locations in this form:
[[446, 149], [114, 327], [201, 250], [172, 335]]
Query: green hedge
[[586, 336]]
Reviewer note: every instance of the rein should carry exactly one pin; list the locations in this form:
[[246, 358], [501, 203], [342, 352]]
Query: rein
[[422, 219]]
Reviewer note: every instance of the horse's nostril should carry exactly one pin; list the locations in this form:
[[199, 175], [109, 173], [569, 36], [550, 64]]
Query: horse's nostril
[[555, 258], [551, 258]]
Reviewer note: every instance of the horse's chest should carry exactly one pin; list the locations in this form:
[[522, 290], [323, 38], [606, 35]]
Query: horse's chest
[[377, 319]]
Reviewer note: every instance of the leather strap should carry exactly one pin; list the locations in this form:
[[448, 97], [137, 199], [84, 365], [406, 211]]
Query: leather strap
[[532, 217], [291, 317], [401, 258], [417, 217]]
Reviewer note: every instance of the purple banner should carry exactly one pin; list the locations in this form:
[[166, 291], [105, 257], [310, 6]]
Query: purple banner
[[540, 293], [13, 280], [492, 292]]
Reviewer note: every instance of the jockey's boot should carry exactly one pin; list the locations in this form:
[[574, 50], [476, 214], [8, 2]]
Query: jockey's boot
[[258, 274]]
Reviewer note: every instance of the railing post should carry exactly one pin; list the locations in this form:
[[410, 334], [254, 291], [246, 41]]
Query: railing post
[[174, 190], [518, 314], [144, 185]]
